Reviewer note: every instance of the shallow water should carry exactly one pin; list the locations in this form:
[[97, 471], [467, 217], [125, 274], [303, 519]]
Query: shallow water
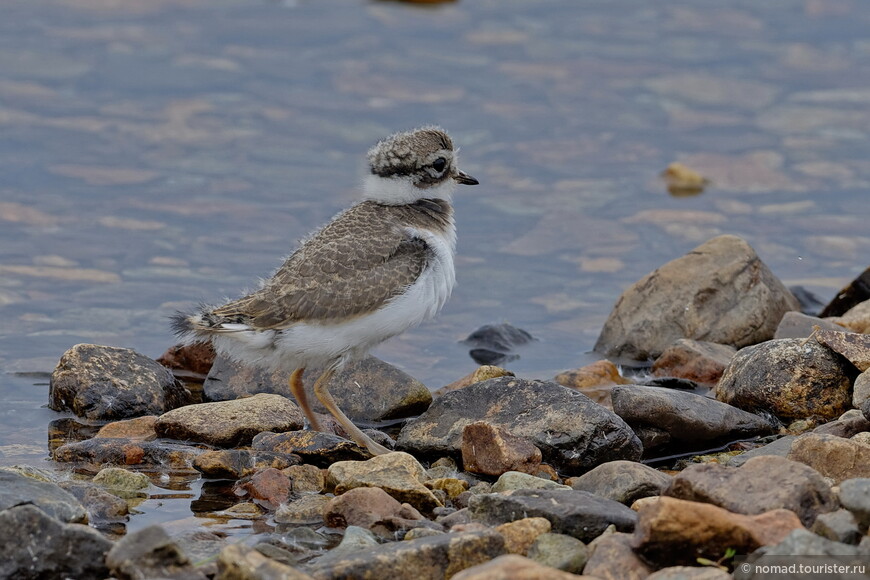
[[159, 153]]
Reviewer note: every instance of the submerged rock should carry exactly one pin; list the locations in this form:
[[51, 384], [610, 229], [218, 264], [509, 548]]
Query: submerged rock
[[104, 382], [790, 377], [573, 433], [719, 292]]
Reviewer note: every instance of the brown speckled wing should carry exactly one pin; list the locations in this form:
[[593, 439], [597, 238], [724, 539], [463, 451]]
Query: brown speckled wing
[[352, 266]]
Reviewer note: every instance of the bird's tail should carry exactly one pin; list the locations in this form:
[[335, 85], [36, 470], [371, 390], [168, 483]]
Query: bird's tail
[[191, 326]]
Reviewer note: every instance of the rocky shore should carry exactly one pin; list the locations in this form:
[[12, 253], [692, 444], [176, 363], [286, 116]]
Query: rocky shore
[[748, 436]]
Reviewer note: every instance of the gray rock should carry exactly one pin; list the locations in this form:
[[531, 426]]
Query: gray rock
[[791, 378], [861, 390], [150, 553], [848, 424], [573, 433], [623, 481], [761, 484], [104, 382], [612, 557], [839, 526], [559, 551], [800, 325], [230, 423], [576, 513], [719, 292], [780, 448], [314, 447], [689, 573], [59, 504], [239, 562], [101, 505], [366, 390], [834, 457], [686, 417], [200, 545], [697, 360], [127, 453], [800, 543], [439, 556], [518, 480], [855, 497], [36, 546]]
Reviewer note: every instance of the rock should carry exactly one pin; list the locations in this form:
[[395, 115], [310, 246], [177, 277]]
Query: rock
[[39, 474], [696, 360], [855, 293], [36, 546], [415, 533], [150, 553], [602, 372], [223, 463], [513, 567], [494, 344], [719, 292], [57, 503], [799, 543], [268, 487], [121, 479], [856, 319], [320, 449], [690, 573], [197, 358], [305, 478], [126, 452], [760, 485], [611, 557], [559, 551], [492, 450], [366, 507], [230, 423], [520, 534], [855, 497], [138, 429], [368, 390], [790, 377], [861, 390], [676, 532], [481, 373], [623, 481], [851, 345], [779, 447], [201, 546], [102, 506], [834, 457], [839, 526], [451, 486], [399, 474], [355, 538], [800, 325], [104, 382], [513, 480], [576, 513], [239, 562], [686, 418], [440, 556], [587, 434], [848, 424], [308, 509]]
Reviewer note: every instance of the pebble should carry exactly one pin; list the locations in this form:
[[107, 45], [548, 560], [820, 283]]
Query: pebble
[[559, 551], [519, 535], [491, 450], [399, 474]]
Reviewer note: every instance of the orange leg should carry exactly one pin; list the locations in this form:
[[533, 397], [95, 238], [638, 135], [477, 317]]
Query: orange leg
[[299, 393], [325, 397]]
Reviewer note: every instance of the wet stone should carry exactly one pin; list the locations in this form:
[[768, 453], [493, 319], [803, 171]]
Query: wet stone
[[314, 447], [102, 382], [495, 344], [733, 299], [39, 546], [355, 538], [306, 510], [138, 429], [101, 505], [576, 513], [492, 450], [791, 378], [121, 479], [686, 418], [559, 551], [223, 463], [623, 481], [57, 503], [833, 457], [268, 487], [759, 485], [150, 553], [696, 360], [230, 423], [588, 434], [126, 452], [513, 567]]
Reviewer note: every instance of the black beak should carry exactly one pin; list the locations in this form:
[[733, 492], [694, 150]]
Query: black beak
[[465, 179]]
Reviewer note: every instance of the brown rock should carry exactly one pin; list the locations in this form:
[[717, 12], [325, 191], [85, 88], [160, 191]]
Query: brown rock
[[514, 567], [268, 487], [230, 423], [138, 429], [223, 463], [759, 485], [481, 373], [696, 360], [196, 358], [519, 535], [852, 295], [678, 532], [856, 319], [126, 452], [306, 478], [239, 562], [450, 485], [834, 457], [602, 372], [320, 449], [491, 450], [720, 292], [855, 347], [399, 474], [612, 558], [365, 507], [306, 510]]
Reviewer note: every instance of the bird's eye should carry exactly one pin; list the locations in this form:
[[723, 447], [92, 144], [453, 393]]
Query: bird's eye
[[439, 164]]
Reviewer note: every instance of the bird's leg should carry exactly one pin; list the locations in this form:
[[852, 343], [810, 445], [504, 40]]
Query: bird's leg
[[326, 398], [298, 391]]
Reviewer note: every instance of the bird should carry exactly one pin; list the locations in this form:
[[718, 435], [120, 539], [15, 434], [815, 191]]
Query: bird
[[378, 268]]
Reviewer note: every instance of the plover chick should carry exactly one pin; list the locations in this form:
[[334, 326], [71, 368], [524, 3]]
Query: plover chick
[[377, 269]]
